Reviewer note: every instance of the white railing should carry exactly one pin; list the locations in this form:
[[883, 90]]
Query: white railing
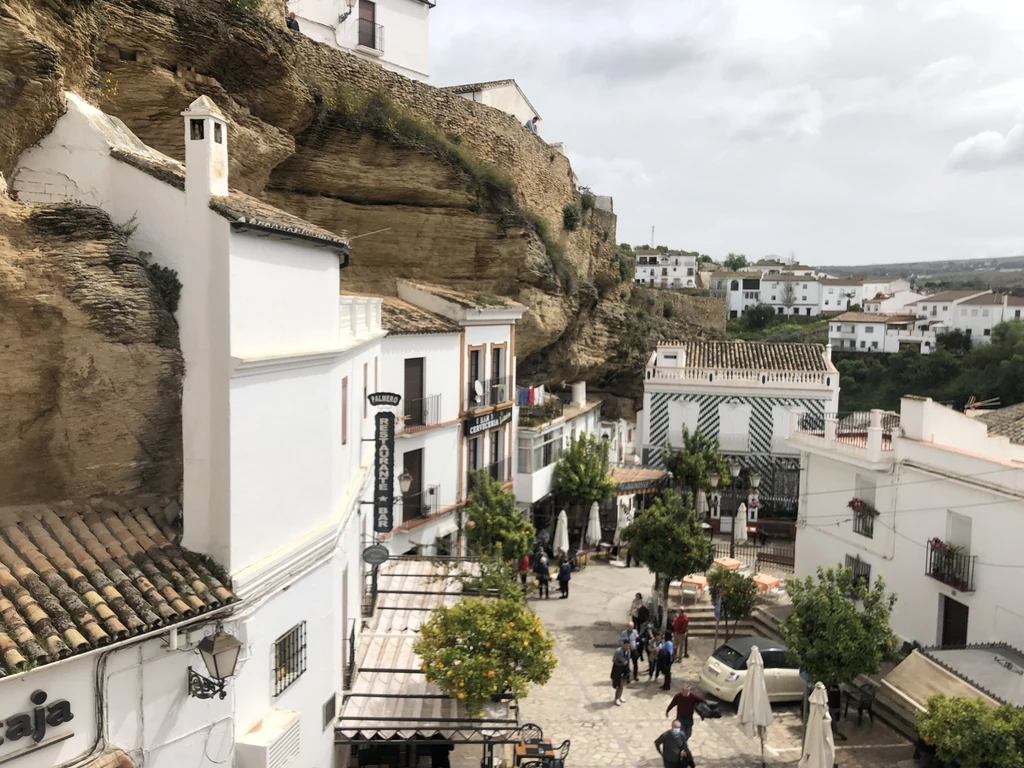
[[915, 334], [744, 377], [358, 316], [870, 435], [734, 442]]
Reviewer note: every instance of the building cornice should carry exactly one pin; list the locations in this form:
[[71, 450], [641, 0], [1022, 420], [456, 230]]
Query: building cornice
[[258, 366]]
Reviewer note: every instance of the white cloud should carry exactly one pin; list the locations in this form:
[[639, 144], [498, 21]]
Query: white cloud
[[605, 173], [989, 151], [786, 113]]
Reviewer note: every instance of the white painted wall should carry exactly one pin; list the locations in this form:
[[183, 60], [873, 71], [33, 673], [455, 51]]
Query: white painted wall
[[406, 32], [314, 598], [805, 299], [507, 98], [836, 298], [861, 336], [442, 358]]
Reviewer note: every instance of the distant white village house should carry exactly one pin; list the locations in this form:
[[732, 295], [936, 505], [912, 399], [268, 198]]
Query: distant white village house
[[505, 95]]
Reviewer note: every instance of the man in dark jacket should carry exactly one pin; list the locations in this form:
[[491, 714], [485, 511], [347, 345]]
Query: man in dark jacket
[[543, 577], [684, 702], [671, 745], [620, 670], [293, 23], [564, 575]]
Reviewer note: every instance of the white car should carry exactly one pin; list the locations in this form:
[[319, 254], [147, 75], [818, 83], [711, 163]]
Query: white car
[[724, 672]]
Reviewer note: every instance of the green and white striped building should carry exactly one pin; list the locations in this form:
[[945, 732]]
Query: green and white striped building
[[742, 393]]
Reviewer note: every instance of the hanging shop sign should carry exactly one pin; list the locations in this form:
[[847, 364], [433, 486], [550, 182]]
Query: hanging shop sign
[[376, 554], [34, 724], [636, 485], [384, 473], [489, 421], [384, 398]]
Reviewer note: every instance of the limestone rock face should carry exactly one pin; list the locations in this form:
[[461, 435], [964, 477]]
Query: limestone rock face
[[90, 372], [146, 60]]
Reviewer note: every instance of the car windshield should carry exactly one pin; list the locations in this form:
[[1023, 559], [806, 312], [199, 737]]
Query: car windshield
[[731, 657]]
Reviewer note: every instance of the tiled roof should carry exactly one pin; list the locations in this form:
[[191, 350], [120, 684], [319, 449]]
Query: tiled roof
[[946, 296], [756, 355], [789, 279], [841, 281], [241, 208], [473, 87], [78, 576], [874, 317], [466, 299], [1008, 422], [987, 299], [399, 316]]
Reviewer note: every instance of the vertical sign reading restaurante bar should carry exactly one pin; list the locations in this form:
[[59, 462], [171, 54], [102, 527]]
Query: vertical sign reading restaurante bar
[[383, 473]]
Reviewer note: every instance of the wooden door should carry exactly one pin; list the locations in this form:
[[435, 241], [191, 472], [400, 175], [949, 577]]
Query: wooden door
[[368, 24], [414, 392], [412, 501], [954, 623]]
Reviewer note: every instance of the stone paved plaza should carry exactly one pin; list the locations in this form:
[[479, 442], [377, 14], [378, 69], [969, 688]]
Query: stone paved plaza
[[577, 702]]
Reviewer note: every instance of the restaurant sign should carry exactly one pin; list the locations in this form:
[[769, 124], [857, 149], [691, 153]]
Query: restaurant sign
[[384, 398], [636, 485], [384, 473], [33, 724], [489, 421]]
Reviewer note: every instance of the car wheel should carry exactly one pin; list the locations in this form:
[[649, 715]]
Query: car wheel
[[736, 701]]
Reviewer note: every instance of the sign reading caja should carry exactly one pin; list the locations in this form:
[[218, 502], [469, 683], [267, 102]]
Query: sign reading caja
[[34, 724], [488, 421]]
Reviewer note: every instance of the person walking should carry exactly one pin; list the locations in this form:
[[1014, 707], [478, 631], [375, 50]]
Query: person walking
[[680, 626], [620, 670], [684, 703], [665, 654], [564, 574], [631, 636], [672, 746], [634, 609], [524, 570], [543, 577], [653, 644], [643, 616]]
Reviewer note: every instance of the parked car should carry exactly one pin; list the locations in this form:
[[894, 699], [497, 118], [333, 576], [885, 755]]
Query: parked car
[[725, 670]]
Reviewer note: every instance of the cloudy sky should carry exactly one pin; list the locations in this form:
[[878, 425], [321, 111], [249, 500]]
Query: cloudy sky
[[843, 132]]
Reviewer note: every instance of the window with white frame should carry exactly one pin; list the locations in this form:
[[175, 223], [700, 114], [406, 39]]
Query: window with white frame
[[541, 451]]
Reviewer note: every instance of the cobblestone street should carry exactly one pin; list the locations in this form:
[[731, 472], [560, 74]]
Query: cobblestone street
[[577, 702]]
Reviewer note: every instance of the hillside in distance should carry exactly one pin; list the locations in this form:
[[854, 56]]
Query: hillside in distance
[[922, 269]]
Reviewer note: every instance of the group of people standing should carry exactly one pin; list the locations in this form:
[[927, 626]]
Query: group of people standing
[[643, 636], [539, 565]]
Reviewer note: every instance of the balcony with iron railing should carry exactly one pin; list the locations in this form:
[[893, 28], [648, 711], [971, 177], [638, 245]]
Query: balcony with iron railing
[[533, 416], [864, 435], [488, 392], [426, 503], [371, 36], [500, 470], [950, 564], [418, 414]]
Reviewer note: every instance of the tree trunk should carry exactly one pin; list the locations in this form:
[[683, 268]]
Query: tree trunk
[[665, 582]]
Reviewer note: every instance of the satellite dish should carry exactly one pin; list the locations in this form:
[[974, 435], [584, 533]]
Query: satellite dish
[[479, 389]]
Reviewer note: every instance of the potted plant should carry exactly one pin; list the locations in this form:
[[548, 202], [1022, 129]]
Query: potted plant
[[861, 507]]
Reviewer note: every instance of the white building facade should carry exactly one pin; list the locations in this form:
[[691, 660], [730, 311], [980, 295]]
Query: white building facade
[[394, 33], [675, 269], [505, 95], [740, 393], [739, 290], [275, 443], [869, 332], [790, 294], [891, 303], [944, 513]]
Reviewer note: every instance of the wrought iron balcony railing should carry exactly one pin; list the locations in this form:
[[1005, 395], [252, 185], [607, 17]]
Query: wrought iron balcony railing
[[950, 565], [371, 35]]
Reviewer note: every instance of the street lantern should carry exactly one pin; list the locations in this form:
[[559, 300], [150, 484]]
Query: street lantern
[[713, 478], [220, 655], [405, 482], [734, 468], [755, 480]]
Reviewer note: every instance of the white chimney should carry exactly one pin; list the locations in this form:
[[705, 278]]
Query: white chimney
[[579, 394], [206, 151], [828, 352]]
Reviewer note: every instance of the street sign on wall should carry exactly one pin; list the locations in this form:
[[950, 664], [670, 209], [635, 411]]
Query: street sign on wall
[[376, 554], [477, 424], [384, 472], [384, 398]]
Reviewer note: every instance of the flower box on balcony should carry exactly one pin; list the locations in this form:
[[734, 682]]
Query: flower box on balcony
[[949, 564], [861, 507]]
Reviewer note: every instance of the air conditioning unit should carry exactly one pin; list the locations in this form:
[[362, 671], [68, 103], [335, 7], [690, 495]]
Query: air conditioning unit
[[273, 743]]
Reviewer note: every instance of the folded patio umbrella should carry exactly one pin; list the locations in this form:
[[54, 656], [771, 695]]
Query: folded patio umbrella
[[755, 714], [819, 746]]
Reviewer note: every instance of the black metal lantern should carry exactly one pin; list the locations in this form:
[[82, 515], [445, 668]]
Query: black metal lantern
[[220, 655]]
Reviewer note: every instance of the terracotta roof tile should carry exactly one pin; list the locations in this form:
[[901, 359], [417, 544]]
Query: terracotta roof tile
[[946, 296], [874, 317], [467, 299], [756, 355], [77, 576], [401, 317], [1008, 422], [241, 208]]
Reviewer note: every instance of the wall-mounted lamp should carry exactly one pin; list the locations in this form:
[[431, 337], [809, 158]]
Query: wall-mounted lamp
[[346, 14], [220, 655], [405, 482]]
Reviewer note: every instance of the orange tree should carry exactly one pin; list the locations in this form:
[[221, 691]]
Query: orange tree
[[738, 595], [480, 648]]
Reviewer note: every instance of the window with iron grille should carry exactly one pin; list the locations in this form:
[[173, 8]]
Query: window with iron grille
[[861, 570], [289, 657], [864, 524]]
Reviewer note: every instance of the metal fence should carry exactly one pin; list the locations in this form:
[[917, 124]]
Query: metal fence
[[371, 35], [759, 557]]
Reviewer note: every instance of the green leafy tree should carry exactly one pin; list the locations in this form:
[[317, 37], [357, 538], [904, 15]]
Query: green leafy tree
[[971, 734], [699, 457], [954, 341], [738, 596], [581, 475], [839, 627], [735, 262], [760, 316], [626, 249], [480, 648], [494, 522], [703, 259], [669, 539]]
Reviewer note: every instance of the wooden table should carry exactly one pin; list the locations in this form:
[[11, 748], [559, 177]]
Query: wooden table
[[534, 749], [700, 582], [765, 582], [729, 563]]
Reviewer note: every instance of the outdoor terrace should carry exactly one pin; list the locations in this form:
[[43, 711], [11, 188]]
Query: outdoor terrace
[[867, 436]]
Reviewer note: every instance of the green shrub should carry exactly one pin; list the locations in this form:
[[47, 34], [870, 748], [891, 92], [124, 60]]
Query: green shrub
[[668, 310], [168, 286], [571, 216], [587, 202]]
